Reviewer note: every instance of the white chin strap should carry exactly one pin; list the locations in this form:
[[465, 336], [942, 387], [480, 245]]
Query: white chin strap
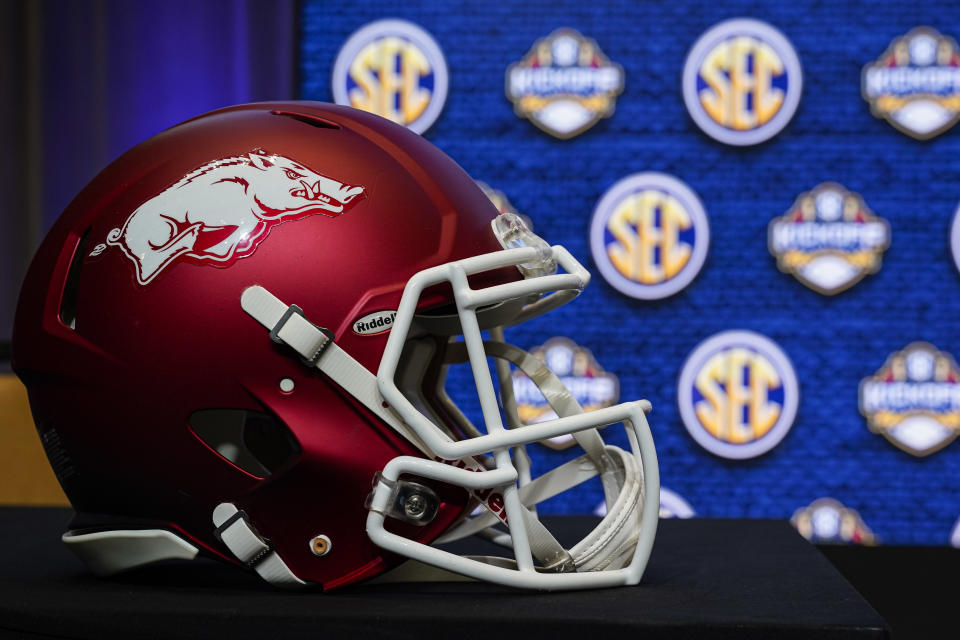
[[611, 544], [615, 552], [250, 548]]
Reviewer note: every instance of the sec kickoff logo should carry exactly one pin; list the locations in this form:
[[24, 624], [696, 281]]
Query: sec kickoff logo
[[830, 521], [742, 82], [394, 69], [649, 235], [738, 394], [591, 386], [564, 85], [828, 240], [915, 84], [914, 399]]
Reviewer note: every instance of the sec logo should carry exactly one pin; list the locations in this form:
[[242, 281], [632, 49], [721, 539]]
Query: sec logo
[[742, 82], [394, 69], [738, 394], [649, 236]]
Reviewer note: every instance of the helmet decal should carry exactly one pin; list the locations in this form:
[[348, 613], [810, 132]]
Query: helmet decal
[[223, 210]]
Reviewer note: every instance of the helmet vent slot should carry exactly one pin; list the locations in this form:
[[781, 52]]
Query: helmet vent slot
[[306, 118], [71, 290], [257, 443], [59, 458]]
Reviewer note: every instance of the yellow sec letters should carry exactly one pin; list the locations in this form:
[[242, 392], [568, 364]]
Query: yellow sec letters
[[649, 235], [394, 69], [733, 411], [742, 82], [739, 73], [381, 88], [633, 225], [738, 394]]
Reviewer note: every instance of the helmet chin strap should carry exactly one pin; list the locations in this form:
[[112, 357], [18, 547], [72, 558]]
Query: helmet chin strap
[[611, 543], [556, 393], [288, 325]]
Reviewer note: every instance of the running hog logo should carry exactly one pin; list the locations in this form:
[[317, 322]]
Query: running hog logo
[[223, 210]]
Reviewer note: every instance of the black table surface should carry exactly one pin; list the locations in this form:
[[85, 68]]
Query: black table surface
[[706, 579]]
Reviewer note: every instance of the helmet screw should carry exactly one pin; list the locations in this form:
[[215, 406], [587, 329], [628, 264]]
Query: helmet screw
[[415, 506], [320, 546]]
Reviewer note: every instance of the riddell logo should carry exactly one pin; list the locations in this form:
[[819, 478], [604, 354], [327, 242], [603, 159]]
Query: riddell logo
[[374, 323]]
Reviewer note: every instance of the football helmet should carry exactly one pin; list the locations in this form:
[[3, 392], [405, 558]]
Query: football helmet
[[236, 339]]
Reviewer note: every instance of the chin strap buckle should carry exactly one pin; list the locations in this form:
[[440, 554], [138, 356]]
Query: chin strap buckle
[[234, 529], [309, 340], [288, 324]]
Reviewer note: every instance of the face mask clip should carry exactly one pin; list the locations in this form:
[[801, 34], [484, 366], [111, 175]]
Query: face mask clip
[[411, 502]]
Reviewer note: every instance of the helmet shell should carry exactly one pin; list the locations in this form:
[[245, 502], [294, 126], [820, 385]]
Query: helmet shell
[[116, 362]]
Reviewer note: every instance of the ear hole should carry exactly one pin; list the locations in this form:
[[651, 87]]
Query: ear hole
[[257, 443], [71, 289]]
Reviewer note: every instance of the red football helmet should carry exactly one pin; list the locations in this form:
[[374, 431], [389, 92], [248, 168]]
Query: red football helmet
[[246, 320]]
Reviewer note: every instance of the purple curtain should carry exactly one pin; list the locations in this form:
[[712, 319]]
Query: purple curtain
[[83, 81]]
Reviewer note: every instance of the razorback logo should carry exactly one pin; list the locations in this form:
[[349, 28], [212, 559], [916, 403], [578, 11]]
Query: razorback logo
[[221, 211]]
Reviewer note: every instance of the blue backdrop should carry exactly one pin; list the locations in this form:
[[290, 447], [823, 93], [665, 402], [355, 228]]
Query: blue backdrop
[[832, 342]]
